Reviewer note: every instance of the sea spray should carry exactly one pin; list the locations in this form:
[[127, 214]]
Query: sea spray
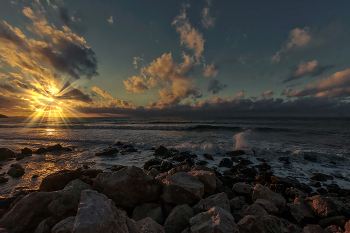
[[241, 140]]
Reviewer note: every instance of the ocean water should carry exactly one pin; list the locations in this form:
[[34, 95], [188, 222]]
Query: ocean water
[[325, 139]]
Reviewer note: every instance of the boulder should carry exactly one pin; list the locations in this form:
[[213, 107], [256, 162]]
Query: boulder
[[215, 220], [271, 224], [238, 202], [182, 168], [58, 180], [242, 189], [64, 226], [5, 154], [128, 187], [161, 151], [151, 210], [182, 188], [178, 219], [53, 148], [46, 225], [16, 170], [97, 213], [249, 224], [235, 153], [147, 225], [208, 156], [129, 149], [206, 204], [153, 172], [323, 207], [224, 189], [225, 162], [314, 229], [254, 209], [66, 202], [165, 166], [150, 163], [116, 167], [267, 205], [301, 213], [107, 152], [347, 226], [26, 151], [262, 192], [28, 212], [339, 221], [207, 178]]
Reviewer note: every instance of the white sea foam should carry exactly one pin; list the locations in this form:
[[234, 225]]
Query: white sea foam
[[242, 141]]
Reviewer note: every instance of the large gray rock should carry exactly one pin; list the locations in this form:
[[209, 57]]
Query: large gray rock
[[301, 212], [249, 224], [254, 209], [323, 207], [242, 189], [151, 210], [46, 225], [178, 219], [26, 215], [147, 225], [262, 192], [65, 226], [182, 188], [267, 205], [238, 202], [206, 204], [97, 213], [215, 220], [66, 202], [128, 187], [207, 178]]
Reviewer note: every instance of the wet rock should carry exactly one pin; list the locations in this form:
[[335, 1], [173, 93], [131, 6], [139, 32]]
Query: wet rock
[[286, 181], [182, 188], [128, 187], [53, 148], [301, 213], [20, 157], [263, 176], [182, 168], [46, 225], [115, 168], [242, 189], [220, 200], [179, 157], [310, 156], [249, 224], [66, 202], [202, 168], [150, 163], [315, 184], [238, 202], [208, 156], [293, 193], [224, 189], [267, 205], [323, 207], [118, 144], [153, 172], [314, 229], [3, 179], [26, 151], [161, 151], [202, 162], [207, 178], [166, 166], [262, 192], [97, 213], [64, 226], [28, 212], [225, 162], [151, 210], [178, 219], [188, 161], [215, 220], [334, 188], [16, 170], [254, 209], [129, 149], [249, 172], [263, 167], [336, 220], [320, 177], [235, 153], [343, 205], [147, 225], [321, 191], [6, 153], [245, 162], [58, 180], [107, 152]]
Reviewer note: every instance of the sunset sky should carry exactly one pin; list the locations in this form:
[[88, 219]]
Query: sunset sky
[[175, 58]]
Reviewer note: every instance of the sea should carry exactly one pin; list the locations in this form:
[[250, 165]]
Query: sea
[[310, 144]]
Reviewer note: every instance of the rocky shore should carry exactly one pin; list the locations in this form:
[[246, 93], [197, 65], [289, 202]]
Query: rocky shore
[[175, 192]]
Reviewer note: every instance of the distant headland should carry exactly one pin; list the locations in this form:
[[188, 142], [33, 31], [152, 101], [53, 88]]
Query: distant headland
[[3, 116]]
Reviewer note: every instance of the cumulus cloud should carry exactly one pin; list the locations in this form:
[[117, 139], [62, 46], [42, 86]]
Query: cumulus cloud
[[215, 86], [337, 85], [208, 21], [2, 75], [110, 20], [135, 84], [311, 68], [267, 93], [297, 38], [104, 94], [211, 70], [286, 91], [189, 36]]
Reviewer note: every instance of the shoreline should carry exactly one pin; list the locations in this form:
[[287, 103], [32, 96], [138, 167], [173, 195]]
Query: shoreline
[[237, 181]]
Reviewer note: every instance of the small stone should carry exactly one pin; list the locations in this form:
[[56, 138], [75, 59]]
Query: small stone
[[161, 151], [225, 162], [26, 151], [208, 156], [16, 170]]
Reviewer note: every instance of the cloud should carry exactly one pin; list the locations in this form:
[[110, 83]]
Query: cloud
[[207, 20], [211, 70], [215, 86], [110, 20], [135, 61], [19, 76], [240, 95], [337, 85], [189, 36], [104, 94], [135, 84], [297, 38], [2, 75], [267, 93], [286, 91], [311, 68]]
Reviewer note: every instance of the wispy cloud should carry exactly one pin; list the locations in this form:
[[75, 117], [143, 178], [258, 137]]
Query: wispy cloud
[[135, 61], [211, 70], [104, 94], [215, 86], [286, 91], [267, 93], [208, 21], [110, 20]]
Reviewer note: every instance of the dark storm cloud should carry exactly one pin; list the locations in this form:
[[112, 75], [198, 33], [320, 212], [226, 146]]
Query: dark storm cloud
[[69, 92], [215, 86]]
